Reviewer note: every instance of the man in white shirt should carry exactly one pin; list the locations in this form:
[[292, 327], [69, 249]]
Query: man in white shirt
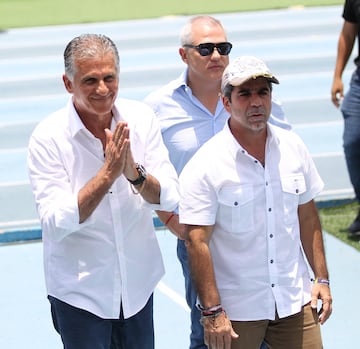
[[190, 111], [247, 199], [98, 170]]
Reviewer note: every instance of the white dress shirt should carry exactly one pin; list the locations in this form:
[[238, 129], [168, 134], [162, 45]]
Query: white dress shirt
[[113, 257], [255, 246]]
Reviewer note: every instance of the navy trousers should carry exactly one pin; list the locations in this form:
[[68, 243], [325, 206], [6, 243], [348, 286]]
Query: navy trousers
[[80, 329]]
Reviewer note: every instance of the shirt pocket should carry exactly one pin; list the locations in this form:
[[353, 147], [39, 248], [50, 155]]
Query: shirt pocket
[[292, 187], [235, 214]]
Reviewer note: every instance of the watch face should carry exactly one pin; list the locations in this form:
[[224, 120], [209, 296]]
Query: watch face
[[142, 171], [142, 175]]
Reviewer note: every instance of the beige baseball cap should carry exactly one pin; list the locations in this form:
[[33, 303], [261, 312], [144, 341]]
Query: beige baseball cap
[[243, 69]]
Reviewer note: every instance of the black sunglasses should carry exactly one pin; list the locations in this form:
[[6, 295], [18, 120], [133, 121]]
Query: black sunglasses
[[207, 49]]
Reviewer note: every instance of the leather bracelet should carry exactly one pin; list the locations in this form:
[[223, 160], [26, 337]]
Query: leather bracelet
[[211, 311], [211, 315], [214, 313]]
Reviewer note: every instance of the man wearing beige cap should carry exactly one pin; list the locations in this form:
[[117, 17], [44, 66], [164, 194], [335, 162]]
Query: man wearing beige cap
[[252, 228]]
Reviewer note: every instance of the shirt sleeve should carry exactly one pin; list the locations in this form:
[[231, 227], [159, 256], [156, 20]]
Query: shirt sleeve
[[56, 202], [198, 198], [314, 183], [158, 164], [349, 13]]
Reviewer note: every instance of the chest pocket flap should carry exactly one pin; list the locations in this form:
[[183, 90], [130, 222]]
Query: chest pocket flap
[[235, 213], [293, 184]]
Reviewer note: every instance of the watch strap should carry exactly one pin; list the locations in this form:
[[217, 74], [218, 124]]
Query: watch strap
[[142, 175]]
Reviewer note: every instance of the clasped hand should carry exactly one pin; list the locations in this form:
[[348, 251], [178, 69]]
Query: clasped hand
[[118, 156]]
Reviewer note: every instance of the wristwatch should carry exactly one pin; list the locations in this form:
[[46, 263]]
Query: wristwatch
[[142, 175]]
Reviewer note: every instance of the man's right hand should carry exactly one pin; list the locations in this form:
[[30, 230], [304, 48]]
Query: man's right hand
[[218, 331], [116, 151]]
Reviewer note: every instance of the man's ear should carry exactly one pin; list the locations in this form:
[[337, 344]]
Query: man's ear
[[226, 102], [67, 84], [183, 54]]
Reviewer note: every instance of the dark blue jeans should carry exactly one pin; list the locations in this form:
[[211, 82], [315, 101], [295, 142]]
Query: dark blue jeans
[[197, 331], [80, 329], [351, 137]]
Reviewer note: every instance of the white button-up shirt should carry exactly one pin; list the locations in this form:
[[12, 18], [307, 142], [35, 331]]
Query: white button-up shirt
[[256, 249], [113, 257]]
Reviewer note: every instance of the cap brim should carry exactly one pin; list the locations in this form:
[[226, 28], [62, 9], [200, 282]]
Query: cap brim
[[237, 81]]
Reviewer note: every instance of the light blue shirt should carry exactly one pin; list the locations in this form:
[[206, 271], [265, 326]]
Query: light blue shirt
[[186, 124]]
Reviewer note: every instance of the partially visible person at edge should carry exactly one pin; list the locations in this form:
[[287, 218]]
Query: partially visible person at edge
[[350, 103], [252, 225], [190, 111], [98, 170]]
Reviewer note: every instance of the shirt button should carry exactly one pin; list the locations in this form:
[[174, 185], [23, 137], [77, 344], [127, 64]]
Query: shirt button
[[269, 209], [271, 261], [271, 236], [236, 203], [272, 285]]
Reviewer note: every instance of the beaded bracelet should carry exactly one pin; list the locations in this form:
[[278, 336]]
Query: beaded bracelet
[[211, 313], [169, 218], [137, 192], [322, 281]]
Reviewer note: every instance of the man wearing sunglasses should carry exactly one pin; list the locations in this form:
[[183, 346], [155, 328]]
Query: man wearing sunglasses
[[208, 48], [191, 111]]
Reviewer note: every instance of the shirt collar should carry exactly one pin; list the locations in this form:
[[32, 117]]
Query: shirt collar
[[75, 123], [231, 141], [235, 147], [181, 83], [271, 134]]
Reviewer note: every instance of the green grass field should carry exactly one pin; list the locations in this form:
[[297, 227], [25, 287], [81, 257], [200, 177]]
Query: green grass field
[[337, 218], [26, 13]]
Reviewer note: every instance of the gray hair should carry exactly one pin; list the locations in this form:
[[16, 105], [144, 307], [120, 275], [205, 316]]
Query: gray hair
[[186, 32], [88, 46], [227, 91]]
